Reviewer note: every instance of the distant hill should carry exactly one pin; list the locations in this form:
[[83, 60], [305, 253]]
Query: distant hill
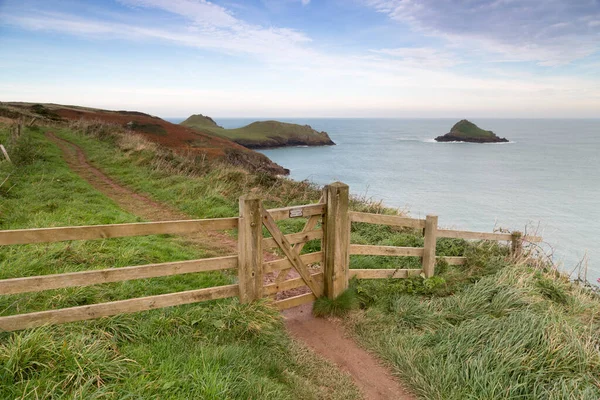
[[466, 131], [262, 134], [177, 137]]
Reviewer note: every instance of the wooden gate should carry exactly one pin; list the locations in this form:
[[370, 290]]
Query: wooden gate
[[330, 279]]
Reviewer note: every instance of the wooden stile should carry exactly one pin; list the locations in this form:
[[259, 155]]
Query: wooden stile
[[82, 313], [48, 235], [250, 253], [428, 261], [87, 278]]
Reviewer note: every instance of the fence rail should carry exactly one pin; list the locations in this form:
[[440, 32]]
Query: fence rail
[[328, 221]]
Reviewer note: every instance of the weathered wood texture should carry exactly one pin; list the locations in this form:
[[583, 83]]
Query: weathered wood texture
[[392, 220], [428, 261], [250, 253], [289, 284], [290, 253], [448, 233], [370, 250], [5, 153], [336, 240], [384, 273], [284, 263], [294, 238], [516, 247], [308, 210], [47, 235], [311, 224], [82, 313], [295, 301], [87, 278]]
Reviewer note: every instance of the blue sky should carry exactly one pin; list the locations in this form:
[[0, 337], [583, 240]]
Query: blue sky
[[302, 58]]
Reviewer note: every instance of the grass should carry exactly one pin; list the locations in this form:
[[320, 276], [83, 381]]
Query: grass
[[338, 307], [491, 328], [468, 129], [212, 350]]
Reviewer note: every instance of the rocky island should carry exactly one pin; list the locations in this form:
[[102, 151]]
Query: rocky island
[[466, 131], [262, 134]]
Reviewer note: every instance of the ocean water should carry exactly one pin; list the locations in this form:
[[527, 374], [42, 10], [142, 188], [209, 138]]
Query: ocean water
[[545, 181]]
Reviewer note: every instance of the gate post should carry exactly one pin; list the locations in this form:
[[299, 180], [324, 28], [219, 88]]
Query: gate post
[[516, 247], [336, 239], [250, 249], [428, 261]]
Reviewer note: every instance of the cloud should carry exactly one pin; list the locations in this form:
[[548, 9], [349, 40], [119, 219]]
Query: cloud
[[420, 57], [550, 32]]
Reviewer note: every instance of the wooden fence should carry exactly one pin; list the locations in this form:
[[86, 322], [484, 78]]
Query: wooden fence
[[328, 221]]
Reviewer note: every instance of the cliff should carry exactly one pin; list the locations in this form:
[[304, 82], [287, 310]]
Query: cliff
[[262, 134]]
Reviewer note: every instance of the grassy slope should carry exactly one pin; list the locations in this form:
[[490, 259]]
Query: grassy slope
[[468, 129], [260, 133], [214, 350], [486, 330]]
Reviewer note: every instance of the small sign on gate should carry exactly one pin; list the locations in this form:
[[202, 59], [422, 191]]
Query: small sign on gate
[[296, 212]]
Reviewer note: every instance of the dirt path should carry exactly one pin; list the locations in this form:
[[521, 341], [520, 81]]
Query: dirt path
[[325, 337], [328, 339], [136, 203]]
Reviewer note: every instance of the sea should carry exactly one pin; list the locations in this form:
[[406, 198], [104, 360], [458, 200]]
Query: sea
[[545, 181]]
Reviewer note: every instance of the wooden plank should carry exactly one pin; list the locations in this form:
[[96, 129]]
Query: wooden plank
[[533, 239], [453, 260], [284, 263], [311, 223], [289, 284], [82, 313], [87, 278], [295, 301], [250, 253], [290, 253], [393, 220], [47, 235], [336, 242], [307, 210], [448, 233], [5, 153], [430, 240], [362, 249], [384, 273], [294, 238]]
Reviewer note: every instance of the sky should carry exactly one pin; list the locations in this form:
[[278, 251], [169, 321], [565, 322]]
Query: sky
[[306, 58]]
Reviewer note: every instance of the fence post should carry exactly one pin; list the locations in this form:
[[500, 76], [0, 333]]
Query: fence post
[[516, 244], [250, 249], [336, 239], [431, 222]]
